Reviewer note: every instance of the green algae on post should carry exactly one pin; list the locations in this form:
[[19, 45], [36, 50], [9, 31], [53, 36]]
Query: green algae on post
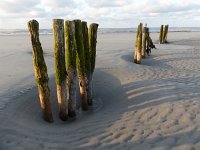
[[150, 44], [60, 69], [144, 41], [80, 59], [136, 45], [164, 40], [139, 44], [92, 33], [92, 44], [161, 35], [70, 56], [40, 70], [87, 58]]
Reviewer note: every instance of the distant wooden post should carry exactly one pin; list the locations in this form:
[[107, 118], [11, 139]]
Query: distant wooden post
[[144, 42], [164, 40], [161, 35], [136, 45], [71, 66], [92, 51], [167, 28], [60, 69], [147, 35], [149, 40], [40, 70], [139, 44], [80, 59]]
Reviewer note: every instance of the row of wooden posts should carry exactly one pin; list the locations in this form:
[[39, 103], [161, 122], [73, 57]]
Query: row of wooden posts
[[143, 43], [74, 52], [163, 34]]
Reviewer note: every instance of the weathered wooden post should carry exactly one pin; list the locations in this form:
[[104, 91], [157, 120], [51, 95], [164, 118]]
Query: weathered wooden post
[[149, 40], [71, 66], [135, 50], [167, 28], [60, 69], [139, 44], [161, 35], [144, 41], [40, 70], [92, 51], [164, 40], [87, 59], [147, 43], [80, 59]]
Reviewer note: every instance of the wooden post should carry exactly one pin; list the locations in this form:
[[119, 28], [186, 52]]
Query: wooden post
[[161, 35], [167, 28], [40, 70], [71, 66], [80, 59], [147, 46], [144, 41], [87, 59], [165, 34], [150, 44], [139, 44], [136, 45], [92, 51], [149, 40], [60, 69]]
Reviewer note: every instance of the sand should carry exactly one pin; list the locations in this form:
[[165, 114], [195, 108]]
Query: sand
[[155, 105]]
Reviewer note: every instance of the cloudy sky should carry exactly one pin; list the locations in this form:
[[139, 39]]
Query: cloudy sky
[[108, 13]]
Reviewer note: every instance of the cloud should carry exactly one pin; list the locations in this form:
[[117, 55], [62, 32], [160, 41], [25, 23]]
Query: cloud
[[107, 3], [58, 3], [108, 13], [17, 6]]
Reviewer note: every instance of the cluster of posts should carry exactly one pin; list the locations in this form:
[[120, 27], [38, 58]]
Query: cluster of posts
[[163, 34], [143, 43], [74, 55]]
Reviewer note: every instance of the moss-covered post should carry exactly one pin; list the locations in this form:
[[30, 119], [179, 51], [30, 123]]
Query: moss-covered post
[[161, 35], [60, 69], [71, 66], [147, 29], [149, 40], [92, 51], [136, 45], [40, 70], [167, 28], [80, 59], [144, 41], [139, 44], [164, 40], [87, 59]]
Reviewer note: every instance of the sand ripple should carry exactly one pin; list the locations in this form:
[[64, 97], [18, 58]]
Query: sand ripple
[[155, 105]]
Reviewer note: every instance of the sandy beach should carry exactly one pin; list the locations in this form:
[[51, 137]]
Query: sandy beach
[[154, 105]]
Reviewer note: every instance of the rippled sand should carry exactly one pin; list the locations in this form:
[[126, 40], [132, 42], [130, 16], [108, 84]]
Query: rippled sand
[[155, 105]]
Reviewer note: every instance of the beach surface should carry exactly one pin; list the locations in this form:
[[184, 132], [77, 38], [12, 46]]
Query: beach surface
[[154, 105]]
